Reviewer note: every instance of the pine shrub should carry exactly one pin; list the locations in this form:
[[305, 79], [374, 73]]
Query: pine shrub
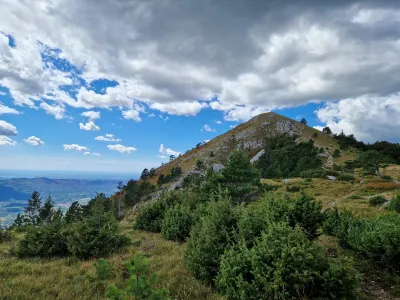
[[394, 204], [209, 238], [177, 223], [150, 216], [43, 241], [95, 236], [284, 264], [377, 200]]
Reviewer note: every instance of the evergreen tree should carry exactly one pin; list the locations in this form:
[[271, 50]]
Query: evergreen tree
[[327, 130], [304, 121], [145, 174], [239, 176], [371, 160], [32, 210], [74, 213], [47, 211]]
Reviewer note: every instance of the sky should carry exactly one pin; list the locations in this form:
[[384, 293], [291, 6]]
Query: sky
[[117, 86]]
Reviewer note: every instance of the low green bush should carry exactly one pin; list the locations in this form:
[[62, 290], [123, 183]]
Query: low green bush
[[209, 238], [177, 223], [377, 238], [150, 216], [103, 269], [95, 236], [43, 241], [293, 189], [141, 283], [377, 200], [345, 177], [315, 173], [302, 210], [284, 264], [394, 204]]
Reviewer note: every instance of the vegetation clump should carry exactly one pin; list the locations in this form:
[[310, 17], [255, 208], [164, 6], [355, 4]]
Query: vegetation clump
[[377, 200], [271, 269]]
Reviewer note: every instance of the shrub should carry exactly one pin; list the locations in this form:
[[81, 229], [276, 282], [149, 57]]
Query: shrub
[[293, 189], [336, 153], [103, 269], [377, 200], [94, 237], [315, 173], [177, 223], [150, 216], [345, 177], [141, 283], [252, 221], [43, 241], [308, 180], [394, 204], [302, 211], [209, 238], [272, 269], [355, 197], [377, 238]]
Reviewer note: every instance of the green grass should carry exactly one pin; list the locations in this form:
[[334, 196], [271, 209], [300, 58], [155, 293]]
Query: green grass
[[69, 278]]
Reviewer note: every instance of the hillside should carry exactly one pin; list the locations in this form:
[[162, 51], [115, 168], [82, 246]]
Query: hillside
[[250, 137]]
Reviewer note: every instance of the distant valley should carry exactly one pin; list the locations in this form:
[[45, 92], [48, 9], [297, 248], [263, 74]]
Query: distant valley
[[14, 192]]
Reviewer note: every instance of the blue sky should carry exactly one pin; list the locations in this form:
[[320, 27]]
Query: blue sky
[[128, 76]]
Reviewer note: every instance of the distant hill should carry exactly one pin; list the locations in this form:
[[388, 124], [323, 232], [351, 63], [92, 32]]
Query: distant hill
[[250, 137], [8, 193]]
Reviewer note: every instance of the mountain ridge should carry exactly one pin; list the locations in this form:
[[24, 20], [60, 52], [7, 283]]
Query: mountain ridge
[[250, 137]]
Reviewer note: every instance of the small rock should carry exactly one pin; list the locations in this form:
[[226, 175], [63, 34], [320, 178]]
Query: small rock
[[331, 177], [217, 167]]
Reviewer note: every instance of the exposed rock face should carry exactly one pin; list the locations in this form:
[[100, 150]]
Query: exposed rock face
[[257, 156], [217, 167]]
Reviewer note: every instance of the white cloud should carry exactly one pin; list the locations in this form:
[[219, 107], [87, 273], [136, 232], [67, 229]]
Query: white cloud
[[180, 109], [152, 115], [218, 122], [207, 128], [206, 141], [107, 138], [232, 126], [131, 115], [168, 151], [276, 56], [92, 115], [92, 153], [121, 148], [34, 141], [89, 126], [7, 129], [368, 117], [75, 147], [6, 141], [57, 111], [8, 110]]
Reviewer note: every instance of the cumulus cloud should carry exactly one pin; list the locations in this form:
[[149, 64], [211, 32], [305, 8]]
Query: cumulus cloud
[[207, 128], [218, 122], [272, 56], [92, 115], [163, 151], [8, 110], [122, 149], [92, 153], [180, 109], [34, 141], [74, 147], [89, 126], [7, 129], [107, 138], [6, 141], [131, 115], [369, 118], [58, 111]]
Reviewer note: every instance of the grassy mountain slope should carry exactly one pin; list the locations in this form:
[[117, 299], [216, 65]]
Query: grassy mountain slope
[[250, 137]]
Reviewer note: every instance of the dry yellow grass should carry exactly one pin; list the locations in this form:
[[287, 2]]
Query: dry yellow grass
[[69, 278]]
